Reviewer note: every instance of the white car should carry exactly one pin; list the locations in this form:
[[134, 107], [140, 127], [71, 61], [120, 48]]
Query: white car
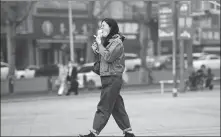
[[155, 62], [196, 56], [5, 71], [210, 61], [29, 72], [132, 61], [93, 80]]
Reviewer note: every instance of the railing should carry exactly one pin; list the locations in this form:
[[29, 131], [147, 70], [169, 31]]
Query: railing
[[162, 82]]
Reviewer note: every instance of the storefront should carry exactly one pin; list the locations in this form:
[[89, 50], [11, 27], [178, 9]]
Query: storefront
[[3, 48], [207, 32], [210, 40], [23, 50], [52, 38]]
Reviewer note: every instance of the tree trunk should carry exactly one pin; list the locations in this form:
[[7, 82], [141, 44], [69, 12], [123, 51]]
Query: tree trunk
[[143, 41], [145, 74], [89, 52], [190, 68], [10, 30]]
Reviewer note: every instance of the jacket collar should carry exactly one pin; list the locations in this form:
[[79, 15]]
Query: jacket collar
[[116, 36]]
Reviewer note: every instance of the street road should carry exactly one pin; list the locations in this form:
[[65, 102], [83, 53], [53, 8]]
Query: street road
[[192, 113]]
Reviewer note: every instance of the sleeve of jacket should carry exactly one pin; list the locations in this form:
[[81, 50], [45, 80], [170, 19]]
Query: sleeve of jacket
[[113, 52]]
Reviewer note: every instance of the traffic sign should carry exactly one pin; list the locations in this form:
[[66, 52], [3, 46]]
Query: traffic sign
[[165, 31], [184, 21]]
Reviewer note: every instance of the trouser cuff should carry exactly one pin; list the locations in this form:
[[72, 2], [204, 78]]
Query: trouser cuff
[[127, 129], [95, 132]]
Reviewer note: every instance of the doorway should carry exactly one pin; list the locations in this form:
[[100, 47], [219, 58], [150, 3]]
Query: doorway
[[47, 56]]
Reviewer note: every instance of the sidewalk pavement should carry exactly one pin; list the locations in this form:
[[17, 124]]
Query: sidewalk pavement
[[153, 88], [44, 94], [194, 113], [141, 88]]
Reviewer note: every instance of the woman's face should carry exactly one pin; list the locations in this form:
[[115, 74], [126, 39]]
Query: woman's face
[[105, 29]]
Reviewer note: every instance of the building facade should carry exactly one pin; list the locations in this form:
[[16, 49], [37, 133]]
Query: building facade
[[43, 37], [206, 29], [128, 14]]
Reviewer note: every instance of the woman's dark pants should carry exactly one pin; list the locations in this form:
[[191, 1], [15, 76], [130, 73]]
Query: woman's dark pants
[[111, 102]]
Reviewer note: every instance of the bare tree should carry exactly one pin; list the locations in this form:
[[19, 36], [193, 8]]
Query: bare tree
[[13, 13], [144, 18], [89, 54]]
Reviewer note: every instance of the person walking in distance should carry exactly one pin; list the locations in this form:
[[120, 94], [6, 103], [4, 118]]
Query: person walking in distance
[[62, 79], [109, 47], [72, 78]]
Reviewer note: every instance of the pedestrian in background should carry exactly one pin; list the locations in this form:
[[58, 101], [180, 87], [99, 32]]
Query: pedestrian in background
[[72, 79], [209, 79], [62, 78], [109, 47]]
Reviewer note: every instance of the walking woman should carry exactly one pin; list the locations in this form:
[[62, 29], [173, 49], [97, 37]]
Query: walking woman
[[109, 47]]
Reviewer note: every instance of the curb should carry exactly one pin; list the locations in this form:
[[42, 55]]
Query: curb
[[54, 95], [167, 82], [153, 88]]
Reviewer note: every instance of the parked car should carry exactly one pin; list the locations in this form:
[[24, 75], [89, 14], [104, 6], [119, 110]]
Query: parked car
[[210, 61], [132, 62], [47, 70], [156, 63], [196, 56], [28, 72], [93, 80], [164, 58], [5, 71]]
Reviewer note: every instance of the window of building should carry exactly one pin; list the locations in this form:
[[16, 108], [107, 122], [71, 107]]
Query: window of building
[[216, 21], [127, 11], [196, 5]]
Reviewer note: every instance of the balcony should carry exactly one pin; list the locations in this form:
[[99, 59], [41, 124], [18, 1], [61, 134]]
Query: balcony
[[55, 4]]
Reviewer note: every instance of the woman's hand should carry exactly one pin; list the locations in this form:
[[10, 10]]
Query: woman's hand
[[94, 47], [98, 37], [99, 33], [98, 40]]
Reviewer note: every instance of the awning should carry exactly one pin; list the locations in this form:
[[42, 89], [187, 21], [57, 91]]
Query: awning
[[66, 41], [43, 42], [217, 49]]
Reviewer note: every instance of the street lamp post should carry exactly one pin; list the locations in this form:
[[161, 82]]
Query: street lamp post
[[71, 31], [175, 36]]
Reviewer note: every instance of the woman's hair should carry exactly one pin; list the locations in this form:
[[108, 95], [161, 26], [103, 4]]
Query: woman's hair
[[114, 29]]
